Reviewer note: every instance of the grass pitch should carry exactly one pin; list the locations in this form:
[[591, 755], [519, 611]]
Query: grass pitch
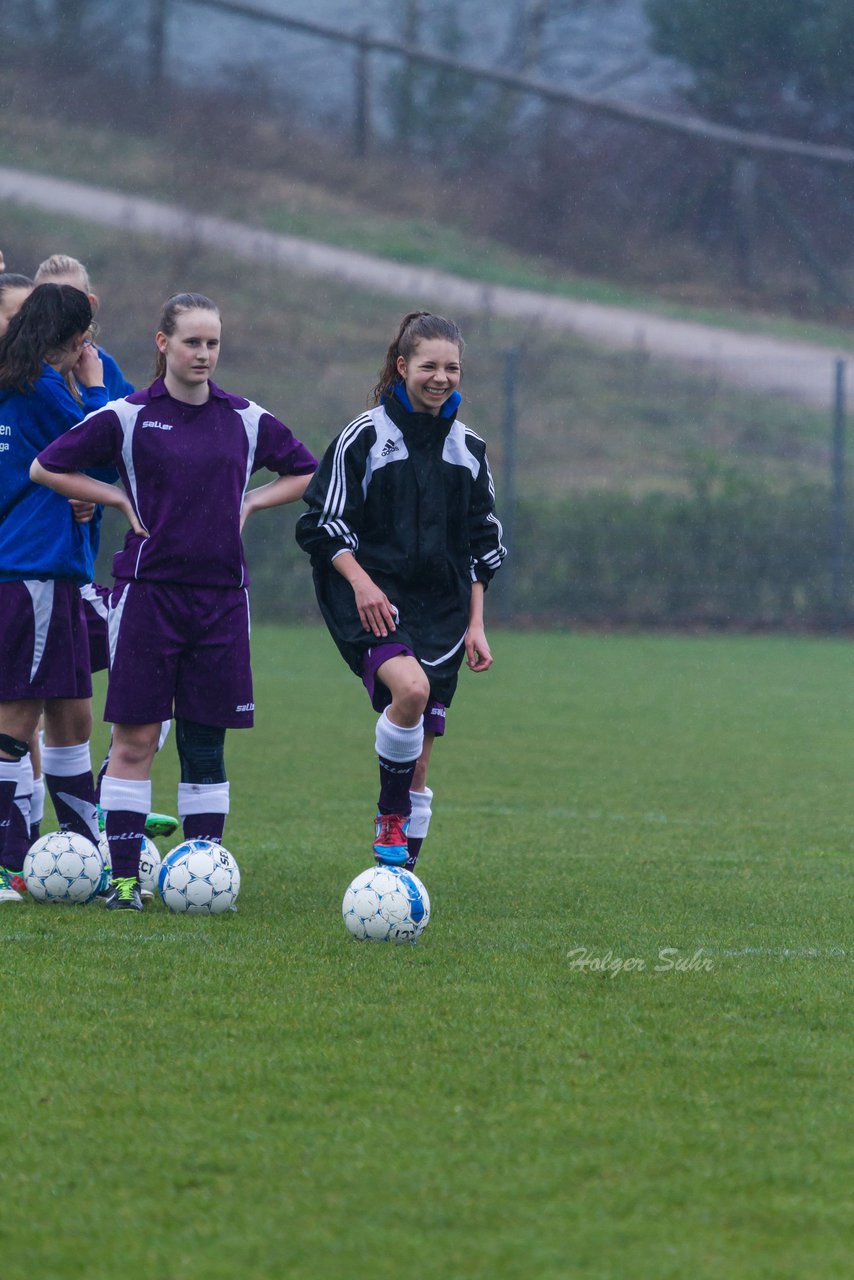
[[619, 1051]]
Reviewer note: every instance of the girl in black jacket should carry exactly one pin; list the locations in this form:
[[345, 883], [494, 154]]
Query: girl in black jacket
[[403, 539]]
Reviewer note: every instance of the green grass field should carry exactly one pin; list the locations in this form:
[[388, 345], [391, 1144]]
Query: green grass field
[[259, 1096]]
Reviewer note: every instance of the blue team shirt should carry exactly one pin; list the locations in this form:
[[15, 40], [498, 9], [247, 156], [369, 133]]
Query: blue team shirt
[[186, 469], [114, 380], [39, 537]]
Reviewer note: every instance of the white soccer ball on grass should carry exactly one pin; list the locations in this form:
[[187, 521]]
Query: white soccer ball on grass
[[63, 866], [386, 904], [199, 877]]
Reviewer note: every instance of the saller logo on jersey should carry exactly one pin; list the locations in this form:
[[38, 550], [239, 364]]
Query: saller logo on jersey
[[245, 706], [161, 426]]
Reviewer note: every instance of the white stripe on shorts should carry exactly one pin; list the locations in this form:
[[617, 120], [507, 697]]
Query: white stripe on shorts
[[114, 622], [41, 595]]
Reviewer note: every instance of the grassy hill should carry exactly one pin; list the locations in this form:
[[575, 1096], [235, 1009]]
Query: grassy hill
[[309, 350], [223, 157], [598, 433]]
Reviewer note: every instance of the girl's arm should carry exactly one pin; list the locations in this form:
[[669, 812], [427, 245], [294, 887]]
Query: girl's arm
[[478, 654], [275, 494], [376, 612], [74, 484]]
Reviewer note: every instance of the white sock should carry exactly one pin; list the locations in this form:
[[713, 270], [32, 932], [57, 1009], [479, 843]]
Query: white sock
[[202, 797], [422, 810], [396, 743], [130, 794], [66, 762], [37, 801]]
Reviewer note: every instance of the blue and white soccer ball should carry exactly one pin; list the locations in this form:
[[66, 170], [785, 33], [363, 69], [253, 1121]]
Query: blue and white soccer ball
[[63, 866], [386, 904], [149, 865], [199, 877]]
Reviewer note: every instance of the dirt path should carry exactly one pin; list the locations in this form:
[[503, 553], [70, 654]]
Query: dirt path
[[798, 370]]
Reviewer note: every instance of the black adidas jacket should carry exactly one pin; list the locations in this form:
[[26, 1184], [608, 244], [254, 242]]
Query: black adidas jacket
[[411, 496]]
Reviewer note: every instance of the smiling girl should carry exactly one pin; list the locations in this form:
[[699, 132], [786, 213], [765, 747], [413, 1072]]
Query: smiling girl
[[179, 612], [403, 538]]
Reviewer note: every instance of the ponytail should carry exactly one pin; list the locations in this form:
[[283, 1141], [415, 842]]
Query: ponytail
[[417, 326]]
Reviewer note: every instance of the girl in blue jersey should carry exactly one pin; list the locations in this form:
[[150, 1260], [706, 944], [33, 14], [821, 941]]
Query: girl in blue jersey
[[403, 538], [44, 556], [179, 613], [61, 268]]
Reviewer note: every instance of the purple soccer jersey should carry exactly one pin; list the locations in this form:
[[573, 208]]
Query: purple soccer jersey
[[186, 469]]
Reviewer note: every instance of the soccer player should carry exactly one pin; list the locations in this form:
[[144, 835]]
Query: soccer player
[[179, 612], [403, 538], [61, 268], [44, 556], [29, 797]]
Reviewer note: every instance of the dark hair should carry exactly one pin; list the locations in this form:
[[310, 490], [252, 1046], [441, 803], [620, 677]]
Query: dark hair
[[169, 313], [417, 326], [50, 317], [10, 281]]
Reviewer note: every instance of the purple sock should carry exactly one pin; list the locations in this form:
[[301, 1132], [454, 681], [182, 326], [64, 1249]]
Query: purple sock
[[395, 781], [204, 826], [7, 802], [17, 839], [125, 831], [413, 846], [73, 799]]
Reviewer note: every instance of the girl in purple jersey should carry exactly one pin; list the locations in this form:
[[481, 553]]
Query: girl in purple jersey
[[44, 555], [403, 538], [179, 612]]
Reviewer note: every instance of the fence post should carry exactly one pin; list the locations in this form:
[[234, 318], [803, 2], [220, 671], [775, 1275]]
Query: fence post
[[744, 175], [156, 42], [362, 119], [837, 519], [507, 510], [406, 92]]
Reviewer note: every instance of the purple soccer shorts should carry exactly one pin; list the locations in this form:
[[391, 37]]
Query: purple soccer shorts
[[179, 651], [435, 711], [44, 648]]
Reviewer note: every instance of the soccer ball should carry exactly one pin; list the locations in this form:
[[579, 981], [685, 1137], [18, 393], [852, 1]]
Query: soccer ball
[[149, 865], [200, 877], [63, 867], [386, 904]]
